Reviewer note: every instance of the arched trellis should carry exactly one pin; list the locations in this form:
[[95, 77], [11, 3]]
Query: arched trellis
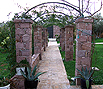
[[59, 21], [54, 3], [53, 13]]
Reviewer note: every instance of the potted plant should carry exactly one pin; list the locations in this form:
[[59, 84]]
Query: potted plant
[[86, 77], [31, 77], [4, 83]]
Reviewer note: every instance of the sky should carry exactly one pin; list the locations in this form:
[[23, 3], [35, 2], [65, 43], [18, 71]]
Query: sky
[[9, 7]]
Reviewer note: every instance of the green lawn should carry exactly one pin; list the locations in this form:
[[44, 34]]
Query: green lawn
[[3, 63], [97, 40], [99, 63]]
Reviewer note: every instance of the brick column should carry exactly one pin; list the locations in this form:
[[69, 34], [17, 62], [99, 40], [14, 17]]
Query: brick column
[[69, 42], [46, 37], [83, 44], [23, 39], [56, 31], [37, 39], [62, 39]]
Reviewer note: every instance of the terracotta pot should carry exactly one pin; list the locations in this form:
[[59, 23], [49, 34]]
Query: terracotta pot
[[83, 84], [31, 84]]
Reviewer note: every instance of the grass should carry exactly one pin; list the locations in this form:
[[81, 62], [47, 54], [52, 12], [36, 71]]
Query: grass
[[98, 75], [3, 63], [97, 40], [70, 68]]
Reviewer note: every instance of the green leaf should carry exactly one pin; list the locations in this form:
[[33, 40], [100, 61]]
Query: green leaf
[[83, 71], [78, 77], [38, 74], [29, 72], [23, 74], [34, 70], [87, 84], [80, 72]]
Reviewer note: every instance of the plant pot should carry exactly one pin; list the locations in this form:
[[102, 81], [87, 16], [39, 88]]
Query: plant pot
[[83, 84], [31, 84], [18, 70], [5, 87]]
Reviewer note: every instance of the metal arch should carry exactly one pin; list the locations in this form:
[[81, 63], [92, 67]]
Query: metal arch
[[52, 12], [56, 3]]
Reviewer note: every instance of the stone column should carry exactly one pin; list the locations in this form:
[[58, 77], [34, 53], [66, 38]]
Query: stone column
[[46, 37], [83, 44], [23, 34], [37, 39], [62, 39], [69, 42]]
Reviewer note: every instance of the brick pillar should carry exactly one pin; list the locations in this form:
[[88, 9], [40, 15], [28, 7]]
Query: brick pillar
[[23, 39], [37, 39], [83, 44], [62, 39], [46, 37], [69, 42]]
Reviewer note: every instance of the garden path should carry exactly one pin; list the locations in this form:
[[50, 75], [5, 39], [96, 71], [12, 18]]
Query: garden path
[[56, 77]]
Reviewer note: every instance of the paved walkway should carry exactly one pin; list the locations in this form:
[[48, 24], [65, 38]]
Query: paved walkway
[[56, 77]]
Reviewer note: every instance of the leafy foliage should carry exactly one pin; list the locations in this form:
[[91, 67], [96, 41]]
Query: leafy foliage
[[4, 32], [98, 25], [31, 75], [11, 58], [54, 19]]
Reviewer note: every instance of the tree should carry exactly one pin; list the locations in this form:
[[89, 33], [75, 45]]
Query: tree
[[98, 25]]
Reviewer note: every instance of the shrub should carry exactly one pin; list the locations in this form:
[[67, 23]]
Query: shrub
[[11, 58], [4, 32]]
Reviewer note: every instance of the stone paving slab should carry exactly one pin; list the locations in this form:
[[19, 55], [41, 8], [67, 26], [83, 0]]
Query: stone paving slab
[[56, 77]]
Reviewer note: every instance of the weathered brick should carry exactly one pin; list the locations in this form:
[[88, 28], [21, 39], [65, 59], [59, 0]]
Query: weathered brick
[[19, 45], [26, 38], [27, 45], [86, 61], [25, 52], [25, 25], [19, 31], [86, 46], [82, 38]]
